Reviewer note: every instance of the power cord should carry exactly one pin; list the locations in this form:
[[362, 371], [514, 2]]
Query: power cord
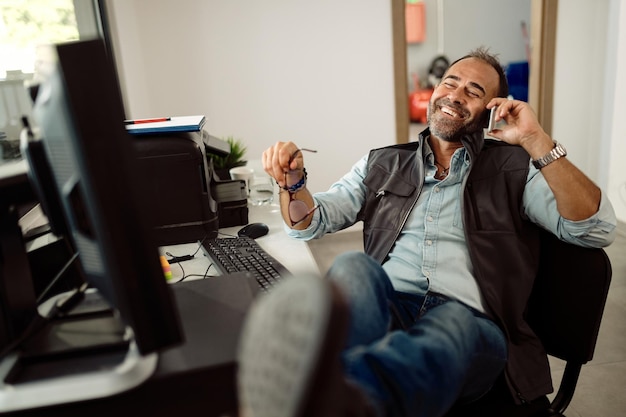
[[177, 259], [62, 306], [205, 275], [56, 278]]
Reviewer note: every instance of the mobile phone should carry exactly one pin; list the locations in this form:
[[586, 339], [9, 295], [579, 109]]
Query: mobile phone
[[492, 120]]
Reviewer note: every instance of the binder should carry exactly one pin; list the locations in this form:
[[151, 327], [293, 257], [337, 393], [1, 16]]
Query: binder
[[166, 125]]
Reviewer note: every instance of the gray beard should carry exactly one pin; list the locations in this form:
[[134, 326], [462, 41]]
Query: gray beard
[[448, 132], [451, 130]]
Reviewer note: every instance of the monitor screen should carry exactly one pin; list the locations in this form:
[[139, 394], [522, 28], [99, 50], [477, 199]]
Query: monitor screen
[[81, 116]]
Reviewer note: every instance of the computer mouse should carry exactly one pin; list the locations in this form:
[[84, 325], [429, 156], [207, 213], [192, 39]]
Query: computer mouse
[[254, 230]]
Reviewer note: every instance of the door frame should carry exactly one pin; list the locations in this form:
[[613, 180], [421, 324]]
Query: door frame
[[543, 19]]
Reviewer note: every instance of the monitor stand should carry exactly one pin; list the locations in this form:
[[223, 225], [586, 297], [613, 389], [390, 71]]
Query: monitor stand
[[85, 355]]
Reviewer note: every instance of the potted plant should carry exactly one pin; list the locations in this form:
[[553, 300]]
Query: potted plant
[[221, 164]]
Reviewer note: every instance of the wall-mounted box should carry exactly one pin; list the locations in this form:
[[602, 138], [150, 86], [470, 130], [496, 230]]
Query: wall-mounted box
[[415, 15]]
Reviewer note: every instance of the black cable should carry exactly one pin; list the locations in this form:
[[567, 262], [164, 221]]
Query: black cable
[[200, 244], [58, 276], [62, 306], [206, 273], [36, 324], [183, 271], [203, 276], [177, 259], [196, 275]]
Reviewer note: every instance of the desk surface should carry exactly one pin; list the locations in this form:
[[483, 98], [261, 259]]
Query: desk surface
[[198, 377], [295, 255]]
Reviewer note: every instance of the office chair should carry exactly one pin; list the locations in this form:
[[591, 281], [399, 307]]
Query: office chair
[[565, 310]]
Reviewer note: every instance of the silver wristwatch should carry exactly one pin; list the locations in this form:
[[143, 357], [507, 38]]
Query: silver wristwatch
[[557, 152]]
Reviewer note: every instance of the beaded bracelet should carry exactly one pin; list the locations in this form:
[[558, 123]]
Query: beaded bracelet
[[299, 185]]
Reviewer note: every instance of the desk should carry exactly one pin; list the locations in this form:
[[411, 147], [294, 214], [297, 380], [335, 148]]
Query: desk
[[295, 255], [196, 379]]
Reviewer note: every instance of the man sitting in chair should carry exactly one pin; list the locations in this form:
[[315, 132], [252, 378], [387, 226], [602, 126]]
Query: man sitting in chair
[[433, 312]]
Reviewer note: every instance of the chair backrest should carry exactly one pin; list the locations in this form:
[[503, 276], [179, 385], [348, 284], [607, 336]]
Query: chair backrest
[[567, 303], [565, 310]]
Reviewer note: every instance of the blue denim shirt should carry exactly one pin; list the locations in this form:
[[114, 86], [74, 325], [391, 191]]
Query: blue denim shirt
[[431, 253]]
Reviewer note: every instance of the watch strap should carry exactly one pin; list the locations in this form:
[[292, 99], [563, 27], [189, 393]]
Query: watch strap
[[557, 152]]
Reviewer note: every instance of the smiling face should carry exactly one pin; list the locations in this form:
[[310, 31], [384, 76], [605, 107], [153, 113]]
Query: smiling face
[[457, 105]]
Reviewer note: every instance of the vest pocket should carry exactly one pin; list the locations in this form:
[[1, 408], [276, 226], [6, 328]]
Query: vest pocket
[[387, 193], [380, 182]]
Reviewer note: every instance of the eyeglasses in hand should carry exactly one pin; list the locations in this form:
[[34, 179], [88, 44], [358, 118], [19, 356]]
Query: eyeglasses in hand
[[298, 209]]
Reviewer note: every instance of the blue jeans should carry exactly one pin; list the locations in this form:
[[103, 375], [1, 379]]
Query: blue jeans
[[414, 354]]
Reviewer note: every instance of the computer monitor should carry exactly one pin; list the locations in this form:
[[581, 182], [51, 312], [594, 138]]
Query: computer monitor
[[80, 113], [42, 181]]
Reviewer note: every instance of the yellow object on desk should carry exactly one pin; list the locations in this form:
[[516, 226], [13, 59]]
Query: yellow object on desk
[[167, 270]]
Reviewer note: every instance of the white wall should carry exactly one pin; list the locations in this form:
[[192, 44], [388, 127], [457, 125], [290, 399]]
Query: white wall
[[579, 84], [318, 73], [589, 94], [616, 83]]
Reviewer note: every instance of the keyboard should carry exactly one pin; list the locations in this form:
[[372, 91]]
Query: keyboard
[[243, 254]]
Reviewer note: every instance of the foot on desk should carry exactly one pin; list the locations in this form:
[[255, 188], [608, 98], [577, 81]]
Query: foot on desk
[[289, 354]]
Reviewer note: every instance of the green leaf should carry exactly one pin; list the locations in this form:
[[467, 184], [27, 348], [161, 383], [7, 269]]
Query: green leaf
[[234, 159]]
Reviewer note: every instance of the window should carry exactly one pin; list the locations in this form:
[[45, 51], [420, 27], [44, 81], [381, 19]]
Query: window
[[25, 26]]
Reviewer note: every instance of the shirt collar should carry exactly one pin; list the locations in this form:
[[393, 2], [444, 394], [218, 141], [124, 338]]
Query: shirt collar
[[460, 159]]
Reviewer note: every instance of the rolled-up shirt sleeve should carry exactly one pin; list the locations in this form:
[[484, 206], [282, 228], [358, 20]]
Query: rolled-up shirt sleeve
[[338, 207], [540, 207]]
